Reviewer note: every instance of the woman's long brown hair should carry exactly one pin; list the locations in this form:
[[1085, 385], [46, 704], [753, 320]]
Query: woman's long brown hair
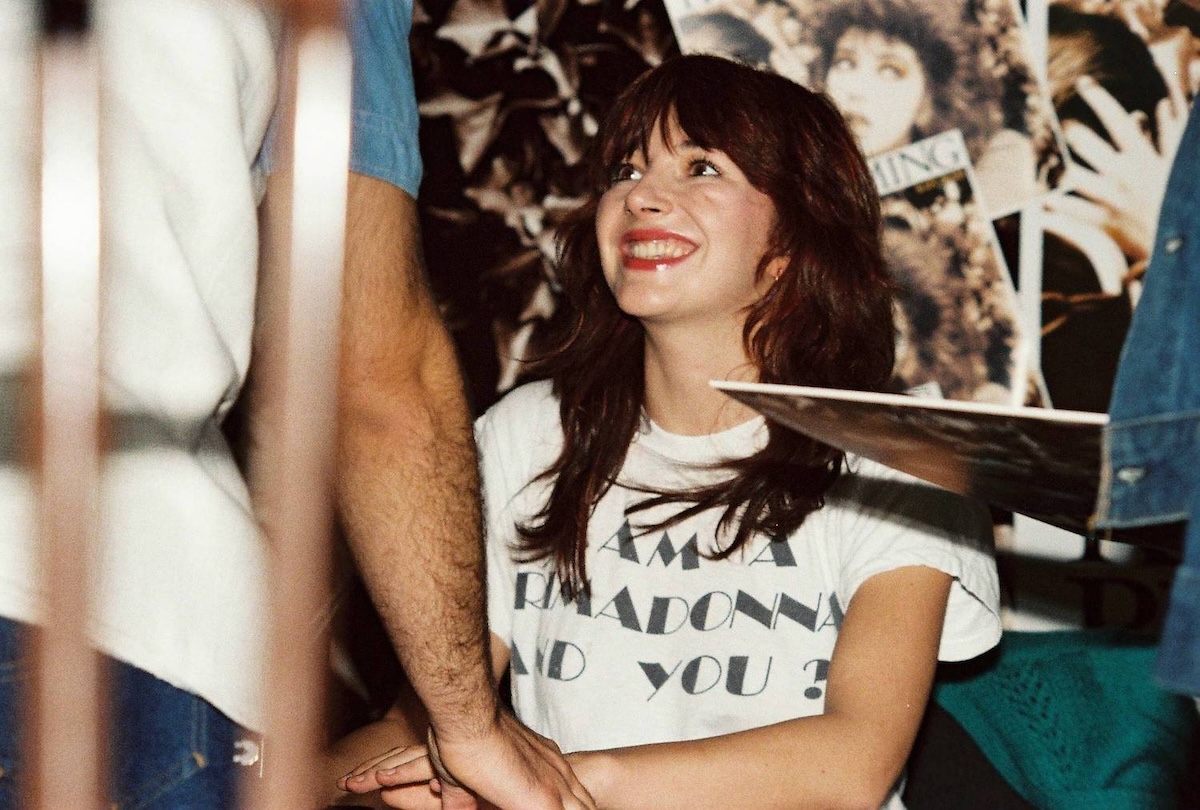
[[827, 321]]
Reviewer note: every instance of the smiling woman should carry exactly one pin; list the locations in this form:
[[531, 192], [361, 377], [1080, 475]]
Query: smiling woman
[[674, 583], [666, 247]]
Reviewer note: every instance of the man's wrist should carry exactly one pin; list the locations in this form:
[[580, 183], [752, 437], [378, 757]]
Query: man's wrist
[[463, 724], [435, 759]]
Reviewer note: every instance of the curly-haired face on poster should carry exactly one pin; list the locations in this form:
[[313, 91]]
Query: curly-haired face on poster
[[903, 70]]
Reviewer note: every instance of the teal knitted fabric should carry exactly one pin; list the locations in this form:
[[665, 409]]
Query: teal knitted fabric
[[1074, 720]]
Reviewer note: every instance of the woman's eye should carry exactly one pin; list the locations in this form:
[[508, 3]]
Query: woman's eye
[[891, 71], [625, 171], [842, 63], [704, 168]]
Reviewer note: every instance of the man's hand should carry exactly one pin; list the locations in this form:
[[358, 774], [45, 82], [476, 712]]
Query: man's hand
[[509, 767], [513, 767]]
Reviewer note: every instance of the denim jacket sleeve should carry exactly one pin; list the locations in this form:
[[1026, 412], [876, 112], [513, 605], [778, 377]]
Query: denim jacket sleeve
[[1151, 465], [1151, 457]]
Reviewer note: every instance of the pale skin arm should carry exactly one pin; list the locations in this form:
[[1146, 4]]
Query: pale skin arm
[[880, 677], [409, 500], [394, 730]]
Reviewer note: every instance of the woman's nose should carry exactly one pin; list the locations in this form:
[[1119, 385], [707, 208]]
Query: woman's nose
[[649, 195], [854, 88], [851, 84]]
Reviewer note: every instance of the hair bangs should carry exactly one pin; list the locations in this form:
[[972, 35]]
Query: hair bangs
[[631, 124], [694, 95]]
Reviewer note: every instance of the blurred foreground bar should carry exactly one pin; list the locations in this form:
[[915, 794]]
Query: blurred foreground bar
[[63, 738], [299, 308]]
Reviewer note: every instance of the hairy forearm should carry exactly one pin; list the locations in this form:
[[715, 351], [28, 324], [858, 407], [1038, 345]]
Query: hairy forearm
[[410, 511], [408, 480]]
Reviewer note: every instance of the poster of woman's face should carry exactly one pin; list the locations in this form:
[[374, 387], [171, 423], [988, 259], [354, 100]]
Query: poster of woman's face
[[903, 70], [881, 86]]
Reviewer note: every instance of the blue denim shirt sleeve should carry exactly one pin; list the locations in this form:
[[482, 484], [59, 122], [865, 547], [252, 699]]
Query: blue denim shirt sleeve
[[383, 141]]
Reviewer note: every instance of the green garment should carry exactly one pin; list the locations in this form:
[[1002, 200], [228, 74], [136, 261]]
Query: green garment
[[1074, 720]]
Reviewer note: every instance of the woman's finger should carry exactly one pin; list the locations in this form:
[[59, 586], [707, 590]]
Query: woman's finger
[[363, 778], [1091, 213], [411, 797], [1088, 145], [406, 771]]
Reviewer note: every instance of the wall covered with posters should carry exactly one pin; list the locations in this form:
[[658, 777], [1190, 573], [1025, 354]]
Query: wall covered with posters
[[1020, 151]]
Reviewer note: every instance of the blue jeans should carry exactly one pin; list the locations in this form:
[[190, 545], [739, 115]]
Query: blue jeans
[[169, 749]]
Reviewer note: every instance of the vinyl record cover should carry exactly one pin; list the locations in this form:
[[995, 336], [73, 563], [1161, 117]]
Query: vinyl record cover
[[1040, 462]]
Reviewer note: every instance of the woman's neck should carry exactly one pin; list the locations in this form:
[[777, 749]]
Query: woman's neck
[[679, 366]]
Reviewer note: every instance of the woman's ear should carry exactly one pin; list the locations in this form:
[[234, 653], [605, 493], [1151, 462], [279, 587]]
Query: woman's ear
[[775, 268]]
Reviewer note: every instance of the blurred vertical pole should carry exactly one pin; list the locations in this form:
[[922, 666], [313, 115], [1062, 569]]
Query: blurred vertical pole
[[1031, 235], [296, 410], [64, 764]]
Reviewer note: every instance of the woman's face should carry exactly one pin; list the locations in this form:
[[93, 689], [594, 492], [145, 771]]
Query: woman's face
[[880, 86], [681, 232]]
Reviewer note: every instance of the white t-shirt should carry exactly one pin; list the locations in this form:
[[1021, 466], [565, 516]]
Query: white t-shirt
[[187, 91], [672, 645]]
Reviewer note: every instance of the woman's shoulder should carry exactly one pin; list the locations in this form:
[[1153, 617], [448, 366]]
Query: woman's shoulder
[[528, 410], [524, 400]]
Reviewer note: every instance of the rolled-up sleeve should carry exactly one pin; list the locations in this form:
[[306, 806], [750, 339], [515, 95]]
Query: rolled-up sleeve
[[384, 141]]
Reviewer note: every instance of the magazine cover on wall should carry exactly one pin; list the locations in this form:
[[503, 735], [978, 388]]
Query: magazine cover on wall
[[958, 315], [902, 70], [1121, 81], [510, 94]]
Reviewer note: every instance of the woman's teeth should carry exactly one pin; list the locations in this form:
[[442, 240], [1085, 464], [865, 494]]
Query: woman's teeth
[[658, 249]]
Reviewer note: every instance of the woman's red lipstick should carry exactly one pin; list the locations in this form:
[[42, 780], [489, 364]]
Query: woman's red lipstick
[[652, 248]]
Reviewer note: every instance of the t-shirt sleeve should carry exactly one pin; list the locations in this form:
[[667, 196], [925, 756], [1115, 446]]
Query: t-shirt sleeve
[[517, 438], [499, 528], [890, 520], [383, 141]]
